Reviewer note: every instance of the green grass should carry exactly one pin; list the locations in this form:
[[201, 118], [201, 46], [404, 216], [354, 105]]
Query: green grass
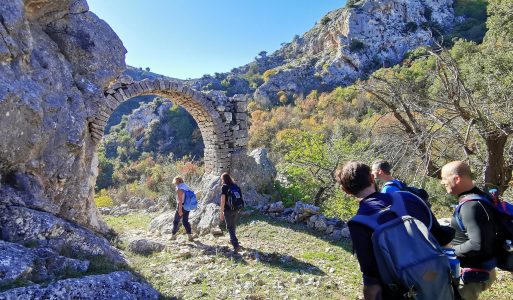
[[293, 261], [128, 222]]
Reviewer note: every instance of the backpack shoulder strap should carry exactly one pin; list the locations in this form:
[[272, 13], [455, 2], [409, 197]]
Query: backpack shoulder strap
[[397, 207], [400, 206], [465, 199]]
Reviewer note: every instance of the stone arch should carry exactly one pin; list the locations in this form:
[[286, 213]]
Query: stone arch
[[223, 123]]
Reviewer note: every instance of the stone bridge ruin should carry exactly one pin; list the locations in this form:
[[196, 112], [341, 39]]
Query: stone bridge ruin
[[223, 121]]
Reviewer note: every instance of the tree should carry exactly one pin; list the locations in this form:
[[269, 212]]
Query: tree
[[311, 159], [457, 104]]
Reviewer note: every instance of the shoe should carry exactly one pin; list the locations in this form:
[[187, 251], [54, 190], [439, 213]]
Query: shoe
[[173, 237], [190, 238]]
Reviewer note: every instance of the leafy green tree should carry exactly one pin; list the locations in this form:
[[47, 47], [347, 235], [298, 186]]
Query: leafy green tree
[[311, 159]]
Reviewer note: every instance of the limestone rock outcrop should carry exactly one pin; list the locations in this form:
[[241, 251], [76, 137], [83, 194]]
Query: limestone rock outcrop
[[117, 285], [56, 59], [349, 42]]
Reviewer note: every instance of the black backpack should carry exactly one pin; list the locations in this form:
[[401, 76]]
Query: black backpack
[[234, 200], [420, 192]]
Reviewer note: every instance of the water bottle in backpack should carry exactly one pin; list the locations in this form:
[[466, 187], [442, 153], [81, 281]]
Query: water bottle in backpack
[[454, 263]]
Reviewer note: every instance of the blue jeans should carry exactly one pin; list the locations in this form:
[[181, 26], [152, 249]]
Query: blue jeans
[[185, 221], [231, 217]]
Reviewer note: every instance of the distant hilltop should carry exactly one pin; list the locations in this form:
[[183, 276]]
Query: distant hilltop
[[346, 44]]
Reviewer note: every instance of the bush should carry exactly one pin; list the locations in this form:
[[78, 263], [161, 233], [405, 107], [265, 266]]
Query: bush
[[356, 45], [103, 199], [325, 20], [268, 74]]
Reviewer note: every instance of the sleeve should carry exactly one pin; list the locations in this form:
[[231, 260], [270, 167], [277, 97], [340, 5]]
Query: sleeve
[[224, 190], [480, 230], [362, 245]]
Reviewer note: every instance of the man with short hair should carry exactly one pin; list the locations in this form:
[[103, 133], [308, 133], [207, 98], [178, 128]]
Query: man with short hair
[[474, 244], [356, 179], [382, 170]]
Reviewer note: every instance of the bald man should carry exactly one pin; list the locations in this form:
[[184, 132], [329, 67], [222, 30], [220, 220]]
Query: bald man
[[474, 243]]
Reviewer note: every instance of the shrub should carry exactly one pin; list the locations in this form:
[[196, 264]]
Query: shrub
[[325, 20], [356, 45], [104, 201], [268, 74]]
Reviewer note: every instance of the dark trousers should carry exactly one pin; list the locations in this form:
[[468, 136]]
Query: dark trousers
[[185, 221], [231, 217]]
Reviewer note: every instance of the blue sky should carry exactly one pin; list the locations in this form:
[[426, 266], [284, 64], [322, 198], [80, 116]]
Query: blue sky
[[189, 38]]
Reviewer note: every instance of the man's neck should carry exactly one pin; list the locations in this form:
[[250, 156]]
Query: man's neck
[[386, 177], [371, 189]]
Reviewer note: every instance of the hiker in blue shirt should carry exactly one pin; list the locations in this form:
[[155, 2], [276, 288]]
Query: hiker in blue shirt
[[356, 179], [181, 213], [381, 170]]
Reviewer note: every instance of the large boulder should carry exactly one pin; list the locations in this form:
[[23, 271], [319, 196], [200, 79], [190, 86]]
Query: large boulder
[[27, 226], [19, 263], [117, 285], [56, 59]]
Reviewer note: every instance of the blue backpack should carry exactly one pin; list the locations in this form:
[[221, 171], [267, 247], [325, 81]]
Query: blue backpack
[[504, 219], [410, 261], [190, 202]]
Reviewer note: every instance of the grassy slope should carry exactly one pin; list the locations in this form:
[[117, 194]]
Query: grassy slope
[[282, 261]]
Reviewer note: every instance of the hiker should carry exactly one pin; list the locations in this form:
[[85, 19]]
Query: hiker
[[474, 247], [231, 204], [381, 170], [356, 179], [181, 213]]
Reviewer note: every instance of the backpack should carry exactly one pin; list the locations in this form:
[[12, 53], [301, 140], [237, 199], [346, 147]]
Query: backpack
[[504, 219], [190, 202], [234, 200], [419, 192], [410, 261]]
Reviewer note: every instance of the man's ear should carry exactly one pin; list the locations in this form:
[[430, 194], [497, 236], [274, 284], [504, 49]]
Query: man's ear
[[346, 191], [457, 179]]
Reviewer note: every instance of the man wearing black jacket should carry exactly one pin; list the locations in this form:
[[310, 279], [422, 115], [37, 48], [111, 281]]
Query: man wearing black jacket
[[475, 242]]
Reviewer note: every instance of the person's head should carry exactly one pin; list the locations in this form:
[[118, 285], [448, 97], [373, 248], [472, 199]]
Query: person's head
[[355, 177], [457, 177], [226, 179], [381, 169], [177, 180]]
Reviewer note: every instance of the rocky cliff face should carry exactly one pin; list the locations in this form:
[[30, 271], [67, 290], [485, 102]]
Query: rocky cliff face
[[348, 43], [56, 58]]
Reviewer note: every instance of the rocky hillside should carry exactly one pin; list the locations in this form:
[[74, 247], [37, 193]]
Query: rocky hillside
[[346, 44]]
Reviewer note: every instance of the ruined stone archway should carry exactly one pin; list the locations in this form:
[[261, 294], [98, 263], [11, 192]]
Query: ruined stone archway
[[222, 121]]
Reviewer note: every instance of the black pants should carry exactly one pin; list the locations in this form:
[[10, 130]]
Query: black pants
[[185, 221], [231, 217]]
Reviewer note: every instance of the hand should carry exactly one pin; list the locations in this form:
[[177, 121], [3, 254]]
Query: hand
[[180, 212], [221, 216]]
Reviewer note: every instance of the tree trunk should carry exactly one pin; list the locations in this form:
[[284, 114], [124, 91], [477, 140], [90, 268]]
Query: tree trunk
[[496, 173]]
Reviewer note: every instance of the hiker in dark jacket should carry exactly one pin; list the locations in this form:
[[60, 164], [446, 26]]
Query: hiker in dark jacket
[[474, 246], [228, 215], [356, 179]]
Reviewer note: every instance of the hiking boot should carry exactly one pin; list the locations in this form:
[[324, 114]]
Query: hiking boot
[[190, 237], [173, 237]]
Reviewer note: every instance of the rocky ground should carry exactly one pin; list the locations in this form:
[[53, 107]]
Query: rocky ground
[[280, 261]]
